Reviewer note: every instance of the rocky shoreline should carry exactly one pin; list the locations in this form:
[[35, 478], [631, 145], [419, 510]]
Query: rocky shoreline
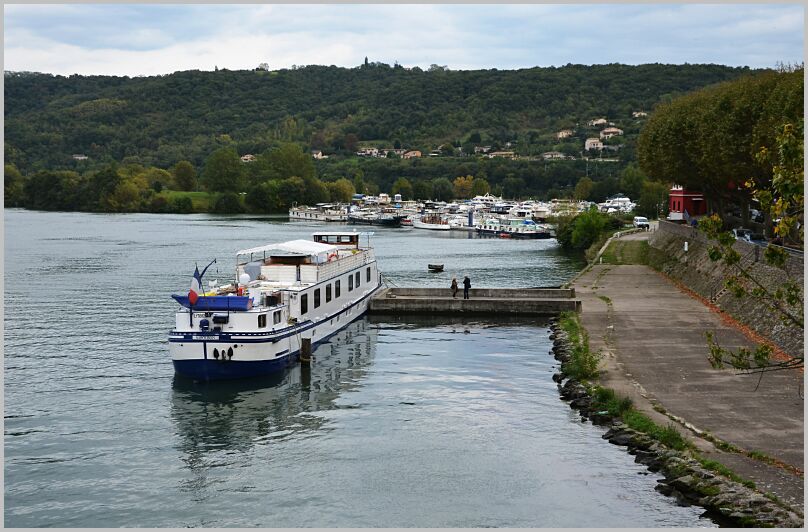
[[728, 502]]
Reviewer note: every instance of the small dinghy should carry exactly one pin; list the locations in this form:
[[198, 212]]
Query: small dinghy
[[435, 267]]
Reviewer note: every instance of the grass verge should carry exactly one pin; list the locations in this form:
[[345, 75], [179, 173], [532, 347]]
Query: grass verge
[[583, 363]]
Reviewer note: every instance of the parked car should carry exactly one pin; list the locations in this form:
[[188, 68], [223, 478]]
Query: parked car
[[641, 221], [742, 234]]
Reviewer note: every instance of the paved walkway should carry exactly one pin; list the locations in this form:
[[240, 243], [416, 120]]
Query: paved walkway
[[652, 336]]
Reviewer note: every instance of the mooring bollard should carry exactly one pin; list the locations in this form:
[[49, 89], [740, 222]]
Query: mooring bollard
[[305, 351]]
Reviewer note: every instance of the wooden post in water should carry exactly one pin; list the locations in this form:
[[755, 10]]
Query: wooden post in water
[[305, 351]]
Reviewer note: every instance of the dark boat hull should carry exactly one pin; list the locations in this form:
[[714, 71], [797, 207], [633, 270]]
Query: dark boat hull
[[394, 221]]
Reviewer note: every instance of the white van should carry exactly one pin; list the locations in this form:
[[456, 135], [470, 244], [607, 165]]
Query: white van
[[641, 221]]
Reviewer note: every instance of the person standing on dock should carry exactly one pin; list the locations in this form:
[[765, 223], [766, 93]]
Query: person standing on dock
[[454, 287], [466, 286]]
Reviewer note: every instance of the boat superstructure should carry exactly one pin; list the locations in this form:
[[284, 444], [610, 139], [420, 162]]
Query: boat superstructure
[[322, 212], [286, 294], [514, 228]]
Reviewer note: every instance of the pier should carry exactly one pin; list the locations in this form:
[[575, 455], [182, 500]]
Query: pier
[[482, 301]]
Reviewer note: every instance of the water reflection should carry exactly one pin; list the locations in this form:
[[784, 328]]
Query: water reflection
[[238, 415]]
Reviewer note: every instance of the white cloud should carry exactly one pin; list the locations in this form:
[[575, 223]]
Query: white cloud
[[148, 39]]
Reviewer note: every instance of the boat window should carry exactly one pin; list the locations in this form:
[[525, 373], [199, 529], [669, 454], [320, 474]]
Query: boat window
[[350, 283], [358, 279], [368, 272], [336, 288], [345, 238], [304, 304], [262, 320], [327, 293], [317, 298], [276, 317]]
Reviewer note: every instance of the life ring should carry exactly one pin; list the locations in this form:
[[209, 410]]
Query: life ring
[[332, 256]]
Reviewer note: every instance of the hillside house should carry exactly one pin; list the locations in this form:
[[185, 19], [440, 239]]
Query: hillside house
[[598, 122], [553, 155], [411, 154], [248, 158], [80, 157], [639, 114], [593, 144], [563, 134], [482, 149], [317, 154], [610, 132], [368, 152]]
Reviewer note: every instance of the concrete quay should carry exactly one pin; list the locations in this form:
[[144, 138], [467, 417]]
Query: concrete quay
[[482, 301], [651, 335]]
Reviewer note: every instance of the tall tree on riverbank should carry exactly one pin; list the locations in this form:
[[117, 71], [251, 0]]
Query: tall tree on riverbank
[[184, 176], [707, 140], [783, 200], [223, 171]]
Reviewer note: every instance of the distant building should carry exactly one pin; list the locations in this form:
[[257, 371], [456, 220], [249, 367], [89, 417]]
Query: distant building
[[317, 154], [411, 154], [368, 152], [80, 157], [482, 149], [503, 154], [248, 158], [598, 122], [564, 133], [435, 153], [685, 204], [610, 132], [593, 144], [639, 114], [549, 155], [398, 151]]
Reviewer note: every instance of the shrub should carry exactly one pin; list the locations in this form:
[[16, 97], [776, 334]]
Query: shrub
[[228, 203]]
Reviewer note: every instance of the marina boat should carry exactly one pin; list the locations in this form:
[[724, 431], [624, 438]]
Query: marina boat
[[432, 221], [514, 228], [435, 267], [287, 296], [322, 212], [371, 217]]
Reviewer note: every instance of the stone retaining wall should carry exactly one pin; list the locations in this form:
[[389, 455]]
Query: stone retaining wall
[[705, 277]]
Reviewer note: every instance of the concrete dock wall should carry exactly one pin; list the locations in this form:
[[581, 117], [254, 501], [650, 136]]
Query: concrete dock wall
[[483, 301]]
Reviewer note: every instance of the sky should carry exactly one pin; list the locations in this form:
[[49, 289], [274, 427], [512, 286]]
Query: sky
[[143, 39]]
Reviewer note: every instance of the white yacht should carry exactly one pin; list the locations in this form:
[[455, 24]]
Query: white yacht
[[286, 295], [432, 221]]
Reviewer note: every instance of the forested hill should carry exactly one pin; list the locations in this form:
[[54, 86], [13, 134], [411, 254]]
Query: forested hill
[[160, 120]]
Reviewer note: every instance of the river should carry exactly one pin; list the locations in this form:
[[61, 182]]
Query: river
[[398, 423]]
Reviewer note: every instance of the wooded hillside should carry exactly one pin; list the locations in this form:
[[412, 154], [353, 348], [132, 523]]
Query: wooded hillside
[[161, 120]]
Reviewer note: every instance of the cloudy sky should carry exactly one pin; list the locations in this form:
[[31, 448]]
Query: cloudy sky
[[133, 39]]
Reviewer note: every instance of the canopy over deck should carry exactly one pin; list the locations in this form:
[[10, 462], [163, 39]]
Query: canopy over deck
[[293, 248]]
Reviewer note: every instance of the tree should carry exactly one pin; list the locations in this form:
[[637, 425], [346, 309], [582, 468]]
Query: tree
[[184, 176], [632, 180], [652, 200], [316, 191], [289, 160], [587, 228], [291, 191], [475, 138], [782, 197], [442, 189], [513, 187], [264, 197], [223, 171], [462, 186], [422, 190], [13, 183], [583, 189], [479, 187], [341, 191], [404, 187], [227, 203], [350, 142]]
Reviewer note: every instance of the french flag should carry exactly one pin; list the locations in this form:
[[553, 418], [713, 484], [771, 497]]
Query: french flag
[[196, 287]]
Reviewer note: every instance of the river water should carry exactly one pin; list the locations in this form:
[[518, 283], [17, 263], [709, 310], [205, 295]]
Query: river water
[[398, 423]]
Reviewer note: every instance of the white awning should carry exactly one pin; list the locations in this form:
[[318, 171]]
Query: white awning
[[299, 247]]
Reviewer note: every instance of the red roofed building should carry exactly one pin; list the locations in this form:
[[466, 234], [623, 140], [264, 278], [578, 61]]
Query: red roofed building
[[684, 204]]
